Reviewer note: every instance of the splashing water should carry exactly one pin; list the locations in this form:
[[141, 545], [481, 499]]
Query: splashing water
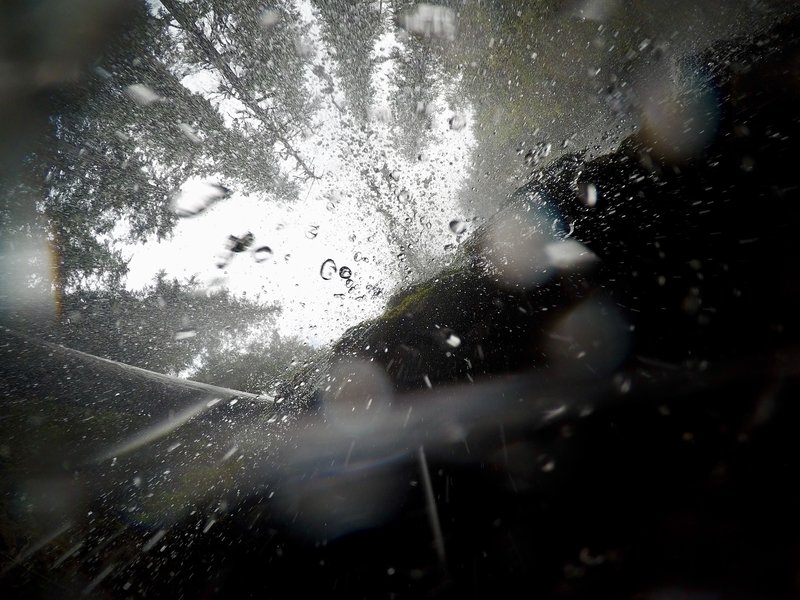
[[328, 269]]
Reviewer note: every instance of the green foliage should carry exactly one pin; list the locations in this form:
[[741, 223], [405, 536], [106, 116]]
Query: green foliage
[[350, 29], [256, 367], [418, 70], [106, 166], [168, 327]]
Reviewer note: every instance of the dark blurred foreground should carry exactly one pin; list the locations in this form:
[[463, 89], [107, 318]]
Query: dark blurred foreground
[[637, 439]]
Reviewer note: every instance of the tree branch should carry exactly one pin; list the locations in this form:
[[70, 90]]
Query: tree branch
[[242, 93]]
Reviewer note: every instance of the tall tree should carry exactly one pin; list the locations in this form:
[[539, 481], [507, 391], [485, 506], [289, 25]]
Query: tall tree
[[119, 144], [257, 366], [261, 69], [350, 30], [417, 80], [168, 327]]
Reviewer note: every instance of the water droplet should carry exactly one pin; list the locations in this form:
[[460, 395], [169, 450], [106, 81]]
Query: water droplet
[[457, 226], [554, 413], [184, 334], [150, 544], [569, 254], [269, 18], [381, 114], [589, 560], [539, 152], [430, 21], [588, 193], [303, 47], [141, 94], [345, 273], [328, 269], [263, 253], [195, 197], [190, 134], [622, 383], [457, 122], [240, 244], [312, 232], [691, 304]]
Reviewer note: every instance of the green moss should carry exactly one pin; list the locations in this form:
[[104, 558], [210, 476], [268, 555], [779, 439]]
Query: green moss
[[408, 301]]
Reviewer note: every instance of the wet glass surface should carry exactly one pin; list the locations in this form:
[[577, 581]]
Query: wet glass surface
[[396, 299]]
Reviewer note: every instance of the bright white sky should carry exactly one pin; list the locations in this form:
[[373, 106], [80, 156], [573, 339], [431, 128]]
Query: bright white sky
[[313, 308]]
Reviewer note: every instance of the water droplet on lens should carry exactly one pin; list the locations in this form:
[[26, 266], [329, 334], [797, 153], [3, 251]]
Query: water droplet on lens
[[539, 152], [328, 269], [303, 47], [457, 122], [429, 21], [345, 273], [222, 261], [588, 193], [269, 18], [263, 253], [381, 114], [453, 341], [141, 94], [190, 133], [240, 244], [196, 196], [457, 226]]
